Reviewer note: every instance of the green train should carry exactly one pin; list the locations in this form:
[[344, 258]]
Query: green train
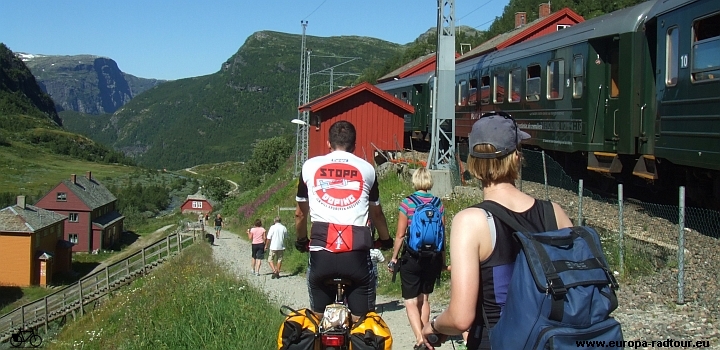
[[633, 95]]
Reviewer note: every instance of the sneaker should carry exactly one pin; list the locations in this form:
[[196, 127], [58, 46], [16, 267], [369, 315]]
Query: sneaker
[[273, 276], [277, 275]]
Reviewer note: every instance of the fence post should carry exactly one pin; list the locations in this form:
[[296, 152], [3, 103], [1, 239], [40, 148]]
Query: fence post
[[143, 261], [167, 246], [22, 315], [621, 239], [179, 242], [107, 279], [580, 199], [681, 247], [46, 316], [81, 297], [127, 267], [547, 194]]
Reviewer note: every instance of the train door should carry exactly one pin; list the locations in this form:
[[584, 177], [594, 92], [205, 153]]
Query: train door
[[613, 101]]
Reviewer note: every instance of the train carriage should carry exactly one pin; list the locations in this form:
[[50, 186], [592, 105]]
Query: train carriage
[[569, 89]]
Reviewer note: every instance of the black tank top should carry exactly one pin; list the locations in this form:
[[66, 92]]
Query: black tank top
[[496, 271]]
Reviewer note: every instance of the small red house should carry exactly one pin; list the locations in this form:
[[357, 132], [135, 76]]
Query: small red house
[[93, 222], [196, 204], [378, 118], [32, 245]]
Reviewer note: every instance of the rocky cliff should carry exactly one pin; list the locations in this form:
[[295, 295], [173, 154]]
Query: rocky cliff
[[84, 83]]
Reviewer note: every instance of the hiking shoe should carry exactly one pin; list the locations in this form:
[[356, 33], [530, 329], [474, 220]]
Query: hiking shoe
[[274, 276], [277, 275]]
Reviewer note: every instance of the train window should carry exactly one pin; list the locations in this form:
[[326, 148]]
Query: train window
[[671, 56], [485, 90], [706, 48], [472, 93], [404, 95], [555, 79], [499, 87], [578, 73], [532, 83], [514, 82], [462, 90]]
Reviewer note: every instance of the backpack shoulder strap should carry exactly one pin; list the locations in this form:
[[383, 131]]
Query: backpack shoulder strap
[[413, 198], [501, 213], [435, 201]]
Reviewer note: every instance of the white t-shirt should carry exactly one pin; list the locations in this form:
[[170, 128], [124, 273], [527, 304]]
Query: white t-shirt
[[338, 187], [276, 235]]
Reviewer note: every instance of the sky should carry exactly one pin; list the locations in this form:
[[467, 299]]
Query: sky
[[174, 39]]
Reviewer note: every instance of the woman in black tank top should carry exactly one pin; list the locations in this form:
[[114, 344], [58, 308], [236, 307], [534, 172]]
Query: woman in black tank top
[[482, 251]]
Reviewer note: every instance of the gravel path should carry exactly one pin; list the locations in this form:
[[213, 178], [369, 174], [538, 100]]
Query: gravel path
[[234, 252], [647, 308]]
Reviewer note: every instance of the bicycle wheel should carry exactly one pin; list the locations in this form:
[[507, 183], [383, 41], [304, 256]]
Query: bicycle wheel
[[35, 341], [15, 343]]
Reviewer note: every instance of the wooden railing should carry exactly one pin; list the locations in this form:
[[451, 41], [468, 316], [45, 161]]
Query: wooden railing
[[73, 298]]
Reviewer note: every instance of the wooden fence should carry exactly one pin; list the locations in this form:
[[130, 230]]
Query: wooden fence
[[73, 298]]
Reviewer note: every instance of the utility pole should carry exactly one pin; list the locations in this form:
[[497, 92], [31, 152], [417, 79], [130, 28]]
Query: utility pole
[[301, 136], [442, 148]]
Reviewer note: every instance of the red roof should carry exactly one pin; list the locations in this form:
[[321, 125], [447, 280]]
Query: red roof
[[521, 34], [420, 65], [347, 92]]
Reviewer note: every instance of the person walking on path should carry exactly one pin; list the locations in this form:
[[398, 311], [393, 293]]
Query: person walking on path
[[218, 225], [275, 245], [482, 262], [256, 235], [338, 192], [418, 274]]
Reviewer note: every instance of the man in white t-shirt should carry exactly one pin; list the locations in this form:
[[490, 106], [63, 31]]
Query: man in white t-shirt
[[275, 242], [339, 192]]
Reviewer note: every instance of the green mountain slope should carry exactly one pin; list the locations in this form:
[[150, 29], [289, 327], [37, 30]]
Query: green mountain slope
[[218, 117]]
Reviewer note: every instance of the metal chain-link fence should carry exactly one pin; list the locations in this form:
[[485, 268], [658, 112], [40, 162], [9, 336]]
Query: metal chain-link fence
[[640, 238]]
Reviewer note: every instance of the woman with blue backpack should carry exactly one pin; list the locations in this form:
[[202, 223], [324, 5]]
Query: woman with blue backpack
[[421, 227], [483, 249]]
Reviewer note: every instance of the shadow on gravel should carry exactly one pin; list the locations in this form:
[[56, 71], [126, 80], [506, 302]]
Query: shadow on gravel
[[389, 306]]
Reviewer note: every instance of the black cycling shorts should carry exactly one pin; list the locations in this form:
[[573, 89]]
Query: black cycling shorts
[[418, 275], [355, 266], [258, 251]]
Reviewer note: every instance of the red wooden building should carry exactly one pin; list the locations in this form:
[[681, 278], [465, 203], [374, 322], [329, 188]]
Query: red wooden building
[[196, 204], [32, 245], [376, 115], [546, 23], [93, 222]]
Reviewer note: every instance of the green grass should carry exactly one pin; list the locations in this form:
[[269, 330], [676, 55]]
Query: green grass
[[30, 170], [225, 170], [209, 309]]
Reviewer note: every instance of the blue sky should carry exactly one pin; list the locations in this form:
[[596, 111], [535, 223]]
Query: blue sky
[[173, 39]]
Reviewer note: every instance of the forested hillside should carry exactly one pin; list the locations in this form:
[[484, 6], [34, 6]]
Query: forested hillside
[[218, 117]]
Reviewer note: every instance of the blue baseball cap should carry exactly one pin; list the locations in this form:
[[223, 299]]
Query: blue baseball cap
[[499, 130]]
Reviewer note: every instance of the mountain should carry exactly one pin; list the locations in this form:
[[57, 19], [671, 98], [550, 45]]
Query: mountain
[[19, 91], [218, 117], [33, 144], [84, 83]]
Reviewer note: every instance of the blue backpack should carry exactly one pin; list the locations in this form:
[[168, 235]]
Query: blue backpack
[[426, 234], [561, 292]]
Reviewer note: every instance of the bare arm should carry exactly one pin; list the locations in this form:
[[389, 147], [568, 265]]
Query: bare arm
[[399, 235], [378, 219], [301, 214], [561, 217], [469, 244]]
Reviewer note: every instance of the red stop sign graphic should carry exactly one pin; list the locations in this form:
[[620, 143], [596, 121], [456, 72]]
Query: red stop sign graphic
[[338, 185]]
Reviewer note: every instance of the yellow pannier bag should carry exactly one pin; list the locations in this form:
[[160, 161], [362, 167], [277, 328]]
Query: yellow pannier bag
[[370, 332], [299, 331]]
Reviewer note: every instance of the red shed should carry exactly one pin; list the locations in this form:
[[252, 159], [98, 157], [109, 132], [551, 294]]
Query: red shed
[[378, 118], [196, 204]]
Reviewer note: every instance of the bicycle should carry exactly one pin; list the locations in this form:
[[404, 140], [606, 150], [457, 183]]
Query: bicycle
[[26, 335], [336, 321]]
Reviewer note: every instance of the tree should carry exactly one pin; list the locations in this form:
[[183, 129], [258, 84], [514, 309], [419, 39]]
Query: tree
[[216, 188]]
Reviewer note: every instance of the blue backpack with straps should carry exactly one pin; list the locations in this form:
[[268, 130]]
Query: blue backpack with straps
[[426, 233], [561, 292]]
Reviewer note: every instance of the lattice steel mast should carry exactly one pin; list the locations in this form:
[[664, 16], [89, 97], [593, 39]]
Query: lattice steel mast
[[443, 113], [301, 136]]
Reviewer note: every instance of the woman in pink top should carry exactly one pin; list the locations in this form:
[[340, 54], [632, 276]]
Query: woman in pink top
[[256, 235]]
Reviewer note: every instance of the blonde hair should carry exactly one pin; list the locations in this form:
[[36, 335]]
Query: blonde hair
[[494, 170], [422, 180]]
